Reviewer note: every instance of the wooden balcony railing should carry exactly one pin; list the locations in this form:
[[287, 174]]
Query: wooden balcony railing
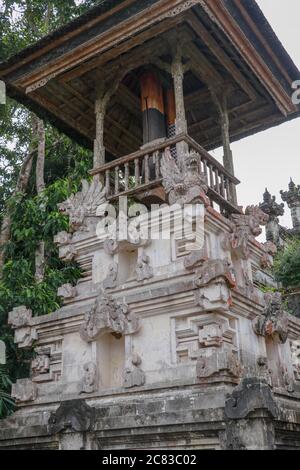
[[140, 171]]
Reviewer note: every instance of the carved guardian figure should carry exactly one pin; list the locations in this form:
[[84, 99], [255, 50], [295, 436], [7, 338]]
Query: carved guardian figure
[[83, 204], [273, 322], [184, 183]]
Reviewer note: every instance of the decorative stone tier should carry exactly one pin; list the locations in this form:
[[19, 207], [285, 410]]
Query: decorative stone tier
[[176, 345]]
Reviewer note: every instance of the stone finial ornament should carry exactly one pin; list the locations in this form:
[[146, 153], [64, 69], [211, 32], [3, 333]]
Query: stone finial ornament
[[83, 204], [143, 268], [134, 377], [89, 382], [24, 390], [292, 198], [108, 315], [270, 207], [245, 227], [184, 183], [273, 322]]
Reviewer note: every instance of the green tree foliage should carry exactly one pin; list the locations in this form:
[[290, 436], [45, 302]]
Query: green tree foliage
[[287, 265], [35, 218]]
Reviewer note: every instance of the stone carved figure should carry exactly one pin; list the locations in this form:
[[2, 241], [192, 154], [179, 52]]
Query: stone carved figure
[[62, 238], [266, 261], [24, 390], [111, 279], [73, 415], [184, 183], [292, 198], [143, 268], [111, 246], [90, 378], [108, 315], [273, 321], [245, 227], [134, 377], [83, 204]]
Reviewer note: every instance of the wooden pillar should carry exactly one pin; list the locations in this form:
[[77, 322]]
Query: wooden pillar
[[152, 101], [99, 149], [177, 71], [220, 100]]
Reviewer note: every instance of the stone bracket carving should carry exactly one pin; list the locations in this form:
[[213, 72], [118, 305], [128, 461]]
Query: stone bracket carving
[[73, 415], [250, 395], [108, 315], [19, 319], [214, 281], [273, 321], [24, 390], [67, 292], [218, 361]]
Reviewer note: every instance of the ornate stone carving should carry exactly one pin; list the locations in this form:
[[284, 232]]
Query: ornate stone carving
[[41, 364], [295, 349], [134, 377], [287, 379], [108, 316], [245, 227], [266, 261], [184, 183], [67, 252], [194, 258], [24, 390], [111, 247], [62, 238], [67, 292], [111, 280], [89, 382], [143, 268], [292, 198], [19, 317], [73, 415], [274, 210], [83, 204], [251, 394], [218, 362], [214, 279], [273, 322], [263, 370]]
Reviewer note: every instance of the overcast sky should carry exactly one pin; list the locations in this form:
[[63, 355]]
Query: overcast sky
[[270, 158]]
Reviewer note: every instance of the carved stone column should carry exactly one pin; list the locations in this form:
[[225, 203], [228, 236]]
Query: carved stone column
[[274, 210], [292, 198]]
